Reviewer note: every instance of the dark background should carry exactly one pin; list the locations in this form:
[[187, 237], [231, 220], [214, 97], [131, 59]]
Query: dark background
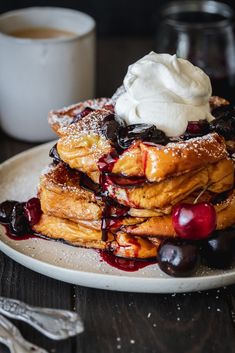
[[113, 17]]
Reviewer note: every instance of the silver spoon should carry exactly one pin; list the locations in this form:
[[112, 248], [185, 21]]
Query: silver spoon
[[53, 323], [11, 337]]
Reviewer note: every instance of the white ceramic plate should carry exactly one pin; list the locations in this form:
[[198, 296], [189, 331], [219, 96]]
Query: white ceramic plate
[[19, 178]]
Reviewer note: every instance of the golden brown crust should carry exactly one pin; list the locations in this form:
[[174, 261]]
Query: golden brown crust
[[83, 153], [66, 206], [220, 176], [61, 195], [70, 232], [128, 246], [160, 162], [61, 179], [217, 177]]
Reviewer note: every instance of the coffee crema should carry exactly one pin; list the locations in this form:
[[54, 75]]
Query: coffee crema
[[41, 33]]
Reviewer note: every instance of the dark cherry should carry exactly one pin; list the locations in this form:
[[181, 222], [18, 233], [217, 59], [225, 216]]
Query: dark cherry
[[19, 224], [197, 128], [54, 154], [6, 208], [158, 137], [219, 251], [223, 127], [224, 124], [33, 210], [110, 127], [144, 132], [178, 258], [81, 115]]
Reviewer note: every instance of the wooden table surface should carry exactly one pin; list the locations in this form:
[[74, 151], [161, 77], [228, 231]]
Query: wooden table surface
[[116, 321]]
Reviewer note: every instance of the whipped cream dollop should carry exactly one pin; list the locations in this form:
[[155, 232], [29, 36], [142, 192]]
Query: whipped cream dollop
[[166, 91]]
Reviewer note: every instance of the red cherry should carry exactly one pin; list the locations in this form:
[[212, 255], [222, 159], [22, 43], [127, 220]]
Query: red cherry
[[33, 210], [194, 221]]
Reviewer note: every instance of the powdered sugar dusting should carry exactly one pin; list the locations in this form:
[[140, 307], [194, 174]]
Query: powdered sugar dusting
[[65, 116], [91, 123], [211, 144]]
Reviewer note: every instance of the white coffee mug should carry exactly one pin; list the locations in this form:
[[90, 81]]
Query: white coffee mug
[[37, 75]]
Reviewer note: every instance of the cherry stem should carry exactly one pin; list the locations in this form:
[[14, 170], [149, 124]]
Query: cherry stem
[[200, 194]]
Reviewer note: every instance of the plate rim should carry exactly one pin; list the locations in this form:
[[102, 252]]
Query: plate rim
[[218, 280]]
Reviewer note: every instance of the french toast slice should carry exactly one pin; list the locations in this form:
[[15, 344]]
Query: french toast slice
[[217, 177], [140, 240], [62, 118], [70, 232], [162, 226], [157, 162], [76, 234], [83, 143], [84, 140], [61, 195]]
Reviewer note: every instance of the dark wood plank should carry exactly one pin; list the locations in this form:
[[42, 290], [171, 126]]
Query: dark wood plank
[[125, 322], [21, 283]]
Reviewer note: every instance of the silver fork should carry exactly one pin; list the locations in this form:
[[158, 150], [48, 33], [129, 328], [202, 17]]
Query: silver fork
[[11, 337], [53, 323]]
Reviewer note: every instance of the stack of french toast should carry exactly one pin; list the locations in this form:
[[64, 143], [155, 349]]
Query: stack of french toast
[[113, 186]]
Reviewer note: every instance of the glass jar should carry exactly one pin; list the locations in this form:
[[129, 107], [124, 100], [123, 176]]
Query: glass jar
[[202, 32]]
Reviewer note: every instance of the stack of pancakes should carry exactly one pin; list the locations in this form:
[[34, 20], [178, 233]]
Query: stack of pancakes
[[127, 209]]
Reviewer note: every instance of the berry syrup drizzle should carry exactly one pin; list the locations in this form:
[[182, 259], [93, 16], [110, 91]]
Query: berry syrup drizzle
[[128, 265], [105, 165]]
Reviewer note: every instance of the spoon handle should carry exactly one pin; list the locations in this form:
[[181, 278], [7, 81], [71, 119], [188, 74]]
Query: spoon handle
[[11, 337], [53, 323]]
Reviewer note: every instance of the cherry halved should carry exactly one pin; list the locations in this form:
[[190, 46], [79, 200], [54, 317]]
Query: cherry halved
[[198, 128], [33, 210]]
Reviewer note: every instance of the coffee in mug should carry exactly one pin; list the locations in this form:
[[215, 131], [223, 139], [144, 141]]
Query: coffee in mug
[[41, 33], [47, 60]]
